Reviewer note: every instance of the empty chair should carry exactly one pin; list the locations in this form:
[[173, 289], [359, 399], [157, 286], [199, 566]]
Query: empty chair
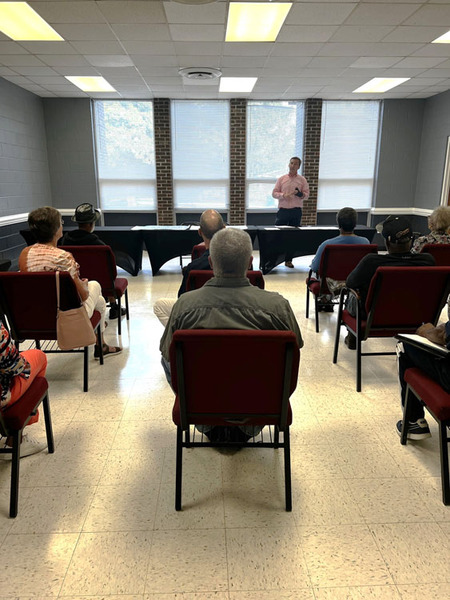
[[337, 262], [197, 279], [400, 299], [28, 300], [198, 250], [261, 373], [440, 252], [99, 264]]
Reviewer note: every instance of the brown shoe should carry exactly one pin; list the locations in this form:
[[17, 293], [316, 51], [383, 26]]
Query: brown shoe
[[289, 264]]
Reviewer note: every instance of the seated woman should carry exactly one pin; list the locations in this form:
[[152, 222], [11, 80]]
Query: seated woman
[[46, 225], [17, 372], [438, 223]]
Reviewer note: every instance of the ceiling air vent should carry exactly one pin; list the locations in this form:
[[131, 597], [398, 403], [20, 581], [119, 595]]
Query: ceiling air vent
[[200, 75]]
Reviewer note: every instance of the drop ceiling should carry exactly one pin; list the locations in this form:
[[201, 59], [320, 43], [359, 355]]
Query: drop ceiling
[[324, 50]]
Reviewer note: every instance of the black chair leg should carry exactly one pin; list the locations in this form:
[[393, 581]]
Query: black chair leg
[[316, 309], [338, 329], [358, 363], [48, 425], [276, 437], [127, 307], [86, 369], [307, 302], [179, 467], [15, 467], [287, 469], [445, 477], [406, 413], [100, 343], [119, 320]]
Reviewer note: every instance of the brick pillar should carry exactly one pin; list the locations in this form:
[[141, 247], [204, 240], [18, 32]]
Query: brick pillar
[[163, 158], [238, 134], [311, 155]]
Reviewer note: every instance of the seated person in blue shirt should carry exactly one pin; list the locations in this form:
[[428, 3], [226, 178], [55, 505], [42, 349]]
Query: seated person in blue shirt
[[346, 220]]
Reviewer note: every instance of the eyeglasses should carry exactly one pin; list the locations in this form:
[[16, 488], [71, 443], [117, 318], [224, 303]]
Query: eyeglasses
[[62, 222]]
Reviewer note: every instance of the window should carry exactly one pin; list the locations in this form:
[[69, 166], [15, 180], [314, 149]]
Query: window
[[200, 153], [125, 155], [348, 152], [274, 135]]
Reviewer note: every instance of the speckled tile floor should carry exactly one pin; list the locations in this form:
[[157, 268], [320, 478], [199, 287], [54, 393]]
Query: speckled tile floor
[[97, 520]]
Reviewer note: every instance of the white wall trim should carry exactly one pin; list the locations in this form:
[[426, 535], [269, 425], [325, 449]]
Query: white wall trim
[[414, 212], [13, 219]]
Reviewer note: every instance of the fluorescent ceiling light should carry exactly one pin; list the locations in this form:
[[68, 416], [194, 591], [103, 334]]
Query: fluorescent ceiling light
[[255, 21], [91, 84], [237, 84], [20, 22], [379, 85], [443, 39]]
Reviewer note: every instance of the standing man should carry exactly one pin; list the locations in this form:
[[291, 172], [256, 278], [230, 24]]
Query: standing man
[[291, 191]]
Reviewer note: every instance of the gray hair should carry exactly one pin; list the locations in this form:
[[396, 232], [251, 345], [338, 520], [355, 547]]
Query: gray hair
[[210, 223], [231, 250], [439, 220]]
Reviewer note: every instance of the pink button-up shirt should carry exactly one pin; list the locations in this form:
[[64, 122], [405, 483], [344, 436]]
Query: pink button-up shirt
[[286, 185]]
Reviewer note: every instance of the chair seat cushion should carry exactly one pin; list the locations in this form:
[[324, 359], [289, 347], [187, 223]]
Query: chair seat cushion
[[95, 319], [214, 420], [430, 392], [314, 286], [350, 322], [120, 285], [16, 415]]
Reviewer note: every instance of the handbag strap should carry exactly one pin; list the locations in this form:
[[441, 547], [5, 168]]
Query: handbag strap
[[57, 290]]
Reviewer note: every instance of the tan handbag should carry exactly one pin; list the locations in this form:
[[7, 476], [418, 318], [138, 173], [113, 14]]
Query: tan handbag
[[73, 327]]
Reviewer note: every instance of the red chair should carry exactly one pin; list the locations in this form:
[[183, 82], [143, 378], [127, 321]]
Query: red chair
[[198, 250], [28, 300], [12, 422], [197, 279], [440, 252], [399, 300], [240, 398], [99, 264], [337, 262], [437, 402]]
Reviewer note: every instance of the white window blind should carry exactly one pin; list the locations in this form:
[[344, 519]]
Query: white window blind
[[200, 153], [125, 155], [348, 153], [274, 135]]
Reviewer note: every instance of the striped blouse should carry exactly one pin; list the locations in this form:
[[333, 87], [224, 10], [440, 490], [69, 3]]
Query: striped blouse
[[48, 258]]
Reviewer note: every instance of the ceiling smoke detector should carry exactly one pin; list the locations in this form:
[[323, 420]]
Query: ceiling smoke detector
[[200, 73]]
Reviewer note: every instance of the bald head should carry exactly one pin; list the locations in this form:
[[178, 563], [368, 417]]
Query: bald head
[[210, 223]]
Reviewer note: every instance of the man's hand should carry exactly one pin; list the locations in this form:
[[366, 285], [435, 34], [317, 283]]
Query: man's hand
[[434, 334], [298, 193]]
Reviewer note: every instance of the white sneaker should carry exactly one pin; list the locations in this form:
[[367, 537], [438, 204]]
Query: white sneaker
[[29, 446]]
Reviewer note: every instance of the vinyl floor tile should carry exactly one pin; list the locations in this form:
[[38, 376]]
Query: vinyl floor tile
[[385, 592], [430, 591]]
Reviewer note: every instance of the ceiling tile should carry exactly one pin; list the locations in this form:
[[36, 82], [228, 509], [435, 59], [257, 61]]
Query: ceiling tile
[[63, 60], [417, 62], [149, 47], [375, 62], [433, 50], [109, 60], [4, 71], [98, 47], [134, 11], [77, 71], [45, 80], [246, 49], [118, 71], [193, 49], [69, 12], [375, 14], [361, 33], [431, 14], [310, 33], [138, 32], [287, 62], [21, 60], [415, 34], [192, 33], [202, 61], [141, 60], [290, 49], [79, 32], [319, 13], [47, 48], [206, 13], [159, 71], [11, 48], [331, 62], [244, 61], [34, 70]]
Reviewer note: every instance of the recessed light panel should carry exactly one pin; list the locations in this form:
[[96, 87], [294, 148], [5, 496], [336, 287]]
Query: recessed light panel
[[255, 21], [91, 84], [379, 85], [443, 39], [21, 23], [237, 84]]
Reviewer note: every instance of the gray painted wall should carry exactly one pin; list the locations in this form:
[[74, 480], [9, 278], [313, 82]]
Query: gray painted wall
[[399, 153], [70, 146], [436, 129], [24, 174]]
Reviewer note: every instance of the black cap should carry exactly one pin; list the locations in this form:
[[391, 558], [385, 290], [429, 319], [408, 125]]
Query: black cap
[[86, 213], [397, 230]]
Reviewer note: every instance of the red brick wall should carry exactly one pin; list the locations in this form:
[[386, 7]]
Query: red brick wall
[[238, 134], [311, 155], [163, 157]]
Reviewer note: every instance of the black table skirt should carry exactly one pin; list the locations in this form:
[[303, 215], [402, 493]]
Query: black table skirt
[[275, 244]]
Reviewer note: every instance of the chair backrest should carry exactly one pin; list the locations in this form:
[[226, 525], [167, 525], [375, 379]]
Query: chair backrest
[[440, 252], [197, 279], [402, 298], [198, 250], [97, 263], [241, 375], [339, 260], [29, 302]]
